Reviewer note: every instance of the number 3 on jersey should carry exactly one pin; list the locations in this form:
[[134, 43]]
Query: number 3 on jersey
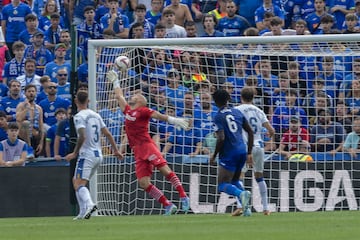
[[96, 133]]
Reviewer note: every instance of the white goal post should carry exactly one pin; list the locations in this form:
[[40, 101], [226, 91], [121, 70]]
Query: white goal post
[[330, 182]]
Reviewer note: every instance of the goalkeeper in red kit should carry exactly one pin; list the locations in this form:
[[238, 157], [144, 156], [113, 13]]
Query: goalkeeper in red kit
[[147, 155]]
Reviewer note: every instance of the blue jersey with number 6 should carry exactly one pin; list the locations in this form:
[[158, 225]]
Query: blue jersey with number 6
[[231, 121]]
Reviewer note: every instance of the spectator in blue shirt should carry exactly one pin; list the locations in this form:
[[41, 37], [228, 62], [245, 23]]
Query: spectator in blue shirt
[[153, 15], [13, 21], [88, 29], [327, 135], [140, 12], [8, 104], [16, 66], [52, 35], [51, 104], [184, 142], [232, 25], [31, 22], [39, 53], [51, 68], [115, 20]]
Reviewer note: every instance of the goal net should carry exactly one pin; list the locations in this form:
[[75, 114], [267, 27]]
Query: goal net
[[309, 87]]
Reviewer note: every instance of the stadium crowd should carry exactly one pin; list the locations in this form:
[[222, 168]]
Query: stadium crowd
[[301, 95]]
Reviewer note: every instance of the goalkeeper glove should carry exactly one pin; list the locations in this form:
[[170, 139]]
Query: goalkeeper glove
[[113, 77], [181, 122]]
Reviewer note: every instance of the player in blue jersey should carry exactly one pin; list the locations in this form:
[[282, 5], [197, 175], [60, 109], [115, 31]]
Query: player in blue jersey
[[231, 148], [13, 21]]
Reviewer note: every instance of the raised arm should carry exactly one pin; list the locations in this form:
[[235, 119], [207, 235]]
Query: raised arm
[[113, 77]]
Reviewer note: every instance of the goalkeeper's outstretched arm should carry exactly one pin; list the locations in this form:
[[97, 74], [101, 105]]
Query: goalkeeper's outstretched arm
[[113, 77], [181, 122]]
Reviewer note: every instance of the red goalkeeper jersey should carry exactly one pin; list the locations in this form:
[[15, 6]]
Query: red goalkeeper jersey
[[137, 125]]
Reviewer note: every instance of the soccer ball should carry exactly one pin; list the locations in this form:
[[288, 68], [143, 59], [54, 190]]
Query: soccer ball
[[122, 63]]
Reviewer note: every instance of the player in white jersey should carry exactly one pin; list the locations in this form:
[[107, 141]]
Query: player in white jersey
[[89, 127], [257, 120]]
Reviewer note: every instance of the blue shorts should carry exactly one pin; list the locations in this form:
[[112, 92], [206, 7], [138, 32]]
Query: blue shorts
[[233, 161]]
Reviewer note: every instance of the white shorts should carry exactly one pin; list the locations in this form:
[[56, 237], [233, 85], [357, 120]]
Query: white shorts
[[86, 165], [258, 160]]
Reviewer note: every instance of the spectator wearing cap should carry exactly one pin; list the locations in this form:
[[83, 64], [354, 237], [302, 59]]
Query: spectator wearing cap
[[38, 51], [31, 22], [52, 34], [60, 115], [174, 91], [14, 67], [115, 20], [51, 7], [295, 140], [13, 21], [13, 151], [51, 68], [326, 135]]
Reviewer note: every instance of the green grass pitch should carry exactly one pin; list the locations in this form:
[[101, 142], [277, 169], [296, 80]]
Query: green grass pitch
[[290, 226]]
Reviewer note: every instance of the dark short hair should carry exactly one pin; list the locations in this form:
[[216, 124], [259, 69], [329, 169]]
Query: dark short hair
[[140, 7], [30, 16], [2, 114], [55, 15], [159, 26], [89, 8], [221, 97], [60, 110], [29, 86], [82, 96], [13, 125]]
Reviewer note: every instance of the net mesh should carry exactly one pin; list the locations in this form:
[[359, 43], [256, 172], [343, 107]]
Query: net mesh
[[178, 80]]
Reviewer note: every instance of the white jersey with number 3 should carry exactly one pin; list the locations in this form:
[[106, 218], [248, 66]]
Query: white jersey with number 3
[[93, 123], [256, 118]]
